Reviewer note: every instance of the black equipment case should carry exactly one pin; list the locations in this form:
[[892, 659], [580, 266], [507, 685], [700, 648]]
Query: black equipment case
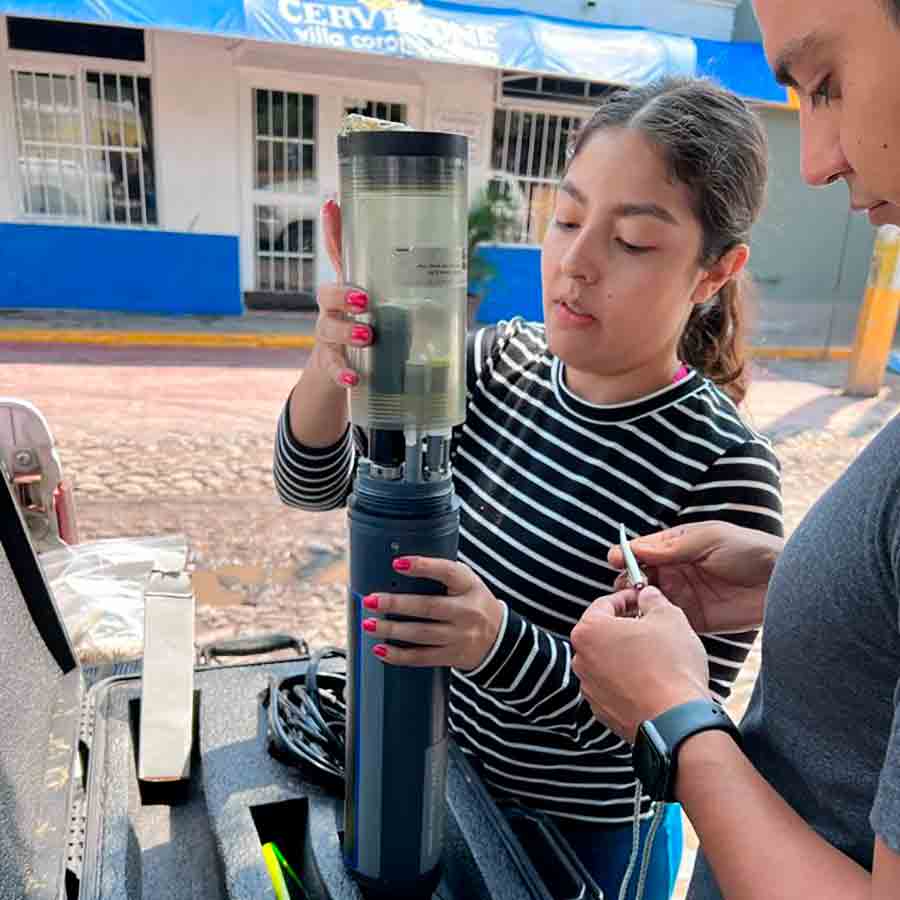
[[76, 824]]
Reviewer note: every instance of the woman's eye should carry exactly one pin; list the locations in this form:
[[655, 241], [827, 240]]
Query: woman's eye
[[633, 248]]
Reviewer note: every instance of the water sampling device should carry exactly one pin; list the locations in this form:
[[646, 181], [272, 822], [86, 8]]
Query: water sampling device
[[404, 234]]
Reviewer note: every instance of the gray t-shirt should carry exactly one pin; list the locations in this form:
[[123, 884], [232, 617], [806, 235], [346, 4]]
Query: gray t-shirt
[[823, 725]]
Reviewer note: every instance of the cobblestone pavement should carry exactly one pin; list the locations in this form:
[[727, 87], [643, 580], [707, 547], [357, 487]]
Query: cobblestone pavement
[[180, 442]]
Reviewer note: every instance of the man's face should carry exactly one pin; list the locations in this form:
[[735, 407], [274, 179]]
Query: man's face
[[843, 59]]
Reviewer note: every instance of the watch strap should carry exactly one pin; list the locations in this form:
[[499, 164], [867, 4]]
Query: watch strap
[[676, 725]]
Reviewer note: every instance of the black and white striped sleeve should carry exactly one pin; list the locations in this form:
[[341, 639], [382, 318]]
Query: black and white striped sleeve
[[743, 486], [320, 478], [529, 670], [480, 343], [313, 478]]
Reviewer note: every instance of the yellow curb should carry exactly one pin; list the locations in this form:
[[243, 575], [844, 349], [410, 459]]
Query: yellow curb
[[817, 354], [155, 338], [289, 341]]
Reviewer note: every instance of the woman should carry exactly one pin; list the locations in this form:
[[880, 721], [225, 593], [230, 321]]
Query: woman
[[621, 407]]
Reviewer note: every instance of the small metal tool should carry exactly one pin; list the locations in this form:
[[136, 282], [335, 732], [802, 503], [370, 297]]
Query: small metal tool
[[636, 578]]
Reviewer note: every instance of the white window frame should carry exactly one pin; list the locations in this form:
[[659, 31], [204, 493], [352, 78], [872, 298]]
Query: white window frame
[[347, 101], [538, 107], [78, 67], [539, 104], [330, 92], [272, 140]]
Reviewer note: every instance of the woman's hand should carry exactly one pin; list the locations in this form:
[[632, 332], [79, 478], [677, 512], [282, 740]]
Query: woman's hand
[[716, 572], [457, 630], [334, 330]]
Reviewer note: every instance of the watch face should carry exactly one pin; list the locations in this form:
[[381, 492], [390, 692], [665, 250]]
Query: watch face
[[650, 758]]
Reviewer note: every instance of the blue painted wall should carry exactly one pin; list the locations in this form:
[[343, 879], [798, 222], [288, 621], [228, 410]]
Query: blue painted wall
[[515, 289], [116, 269]]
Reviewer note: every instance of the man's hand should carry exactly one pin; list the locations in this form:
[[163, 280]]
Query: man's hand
[[632, 669], [716, 572]]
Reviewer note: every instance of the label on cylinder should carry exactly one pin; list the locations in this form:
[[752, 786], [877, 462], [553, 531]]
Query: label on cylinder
[[429, 266]]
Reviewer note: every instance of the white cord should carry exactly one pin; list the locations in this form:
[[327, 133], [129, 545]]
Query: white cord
[[635, 842], [658, 816]]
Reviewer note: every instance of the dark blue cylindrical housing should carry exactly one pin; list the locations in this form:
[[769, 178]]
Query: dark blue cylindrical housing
[[396, 716]]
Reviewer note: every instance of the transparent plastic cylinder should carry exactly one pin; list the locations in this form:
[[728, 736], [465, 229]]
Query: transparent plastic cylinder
[[404, 212]]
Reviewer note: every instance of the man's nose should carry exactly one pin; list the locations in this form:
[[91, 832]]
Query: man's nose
[[822, 158]]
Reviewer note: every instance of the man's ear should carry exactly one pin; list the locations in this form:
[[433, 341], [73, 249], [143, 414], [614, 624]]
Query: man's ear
[[729, 265]]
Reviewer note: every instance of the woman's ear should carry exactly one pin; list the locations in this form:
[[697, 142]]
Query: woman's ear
[[729, 265]]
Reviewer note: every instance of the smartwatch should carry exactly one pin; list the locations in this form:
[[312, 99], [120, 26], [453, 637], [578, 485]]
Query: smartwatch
[[655, 752]]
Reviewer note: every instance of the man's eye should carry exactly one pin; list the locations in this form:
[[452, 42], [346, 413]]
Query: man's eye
[[565, 226], [822, 94]]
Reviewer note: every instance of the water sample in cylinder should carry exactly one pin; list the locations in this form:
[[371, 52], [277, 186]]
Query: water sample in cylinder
[[404, 212]]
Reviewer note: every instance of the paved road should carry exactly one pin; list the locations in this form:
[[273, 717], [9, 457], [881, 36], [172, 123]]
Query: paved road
[[180, 440], [171, 441]]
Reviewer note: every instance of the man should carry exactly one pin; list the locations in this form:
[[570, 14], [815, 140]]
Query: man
[[810, 808]]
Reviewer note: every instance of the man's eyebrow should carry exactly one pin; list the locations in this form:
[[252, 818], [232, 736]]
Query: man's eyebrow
[[574, 192], [795, 50], [627, 210]]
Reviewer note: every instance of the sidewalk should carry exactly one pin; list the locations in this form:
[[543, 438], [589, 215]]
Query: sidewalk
[[803, 330], [253, 329], [791, 397]]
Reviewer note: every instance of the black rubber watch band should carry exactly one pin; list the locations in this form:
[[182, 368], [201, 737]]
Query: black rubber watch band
[[671, 729], [678, 724]]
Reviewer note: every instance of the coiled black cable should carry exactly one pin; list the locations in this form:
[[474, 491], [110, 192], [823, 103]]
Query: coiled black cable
[[307, 718]]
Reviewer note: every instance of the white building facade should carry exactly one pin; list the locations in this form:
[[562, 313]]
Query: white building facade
[[161, 170]]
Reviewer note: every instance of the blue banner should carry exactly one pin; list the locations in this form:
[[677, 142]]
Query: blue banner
[[474, 36], [441, 32]]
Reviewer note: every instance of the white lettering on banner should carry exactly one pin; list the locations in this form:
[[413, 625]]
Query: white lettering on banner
[[377, 44], [341, 16], [391, 20], [487, 36], [291, 11], [365, 17], [404, 25], [317, 36], [314, 13]]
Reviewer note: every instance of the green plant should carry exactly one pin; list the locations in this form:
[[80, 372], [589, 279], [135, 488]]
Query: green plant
[[494, 216]]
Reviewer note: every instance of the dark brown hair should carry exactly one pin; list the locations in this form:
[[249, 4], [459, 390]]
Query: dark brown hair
[[714, 144]]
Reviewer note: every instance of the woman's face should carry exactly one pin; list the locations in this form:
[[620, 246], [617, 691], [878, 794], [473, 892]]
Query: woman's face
[[620, 264]]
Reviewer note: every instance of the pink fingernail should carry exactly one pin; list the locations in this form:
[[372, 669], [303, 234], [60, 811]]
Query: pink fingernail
[[402, 565], [370, 624], [358, 300], [349, 378], [360, 333], [370, 601], [380, 650]]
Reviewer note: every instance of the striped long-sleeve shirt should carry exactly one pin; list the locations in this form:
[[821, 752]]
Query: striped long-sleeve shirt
[[544, 478]]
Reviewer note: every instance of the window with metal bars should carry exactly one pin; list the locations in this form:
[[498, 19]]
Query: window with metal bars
[[85, 147], [377, 109], [529, 148], [285, 141], [285, 250], [550, 87], [285, 132]]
